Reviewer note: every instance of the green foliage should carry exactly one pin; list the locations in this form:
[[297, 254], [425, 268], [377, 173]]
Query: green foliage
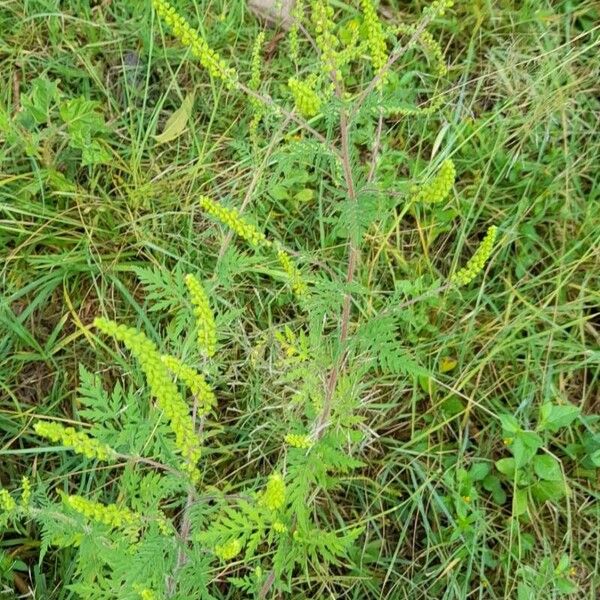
[[319, 411], [47, 116], [534, 475]]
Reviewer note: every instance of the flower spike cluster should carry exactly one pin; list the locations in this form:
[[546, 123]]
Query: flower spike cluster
[[194, 381], [295, 277], [190, 38], [145, 593], [7, 502], [205, 320], [297, 15], [274, 495], [326, 40], [229, 550], [307, 101], [254, 83], [78, 441], [433, 52], [438, 8], [478, 260], [25, 491], [116, 517], [296, 440], [162, 387], [375, 36], [439, 187], [232, 219], [431, 47], [256, 63]]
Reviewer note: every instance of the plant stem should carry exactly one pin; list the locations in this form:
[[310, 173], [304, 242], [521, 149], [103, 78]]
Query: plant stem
[[184, 528], [353, 257]]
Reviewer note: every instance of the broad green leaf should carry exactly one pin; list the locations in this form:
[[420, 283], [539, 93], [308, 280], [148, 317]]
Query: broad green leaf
[[447, 363], [492, 484], [547, 467], [305, 195], [549, 490], [82, 119], [521, 452], [177, 123], [279, 192], [452, 406], [525, 477], [520, 501], [95, 153], [479, 471], [565, 586], [41, 97], [524, 592], [553, 416], [563, 564], [509, 424], [524, 446], [506, 466], [531, 439]]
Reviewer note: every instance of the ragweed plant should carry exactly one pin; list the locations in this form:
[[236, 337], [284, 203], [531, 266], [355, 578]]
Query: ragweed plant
[[275, 528]]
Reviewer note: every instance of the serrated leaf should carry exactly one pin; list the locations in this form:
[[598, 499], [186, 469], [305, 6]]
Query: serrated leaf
[[548, 490], [509, 423], [399, 363], [479, 471], [43, 93], [524, 447], [553, 417], [95, 153], [177, 123], [357, 215], [546, 467], [83, 120]]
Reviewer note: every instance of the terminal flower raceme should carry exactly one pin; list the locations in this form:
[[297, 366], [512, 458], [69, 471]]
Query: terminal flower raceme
[[478, 261], [78, 441], [274, 495], [190, 38], [194, 381], [164, 390], [298, 441], [436, 190], [232, 219], [205, 320]]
